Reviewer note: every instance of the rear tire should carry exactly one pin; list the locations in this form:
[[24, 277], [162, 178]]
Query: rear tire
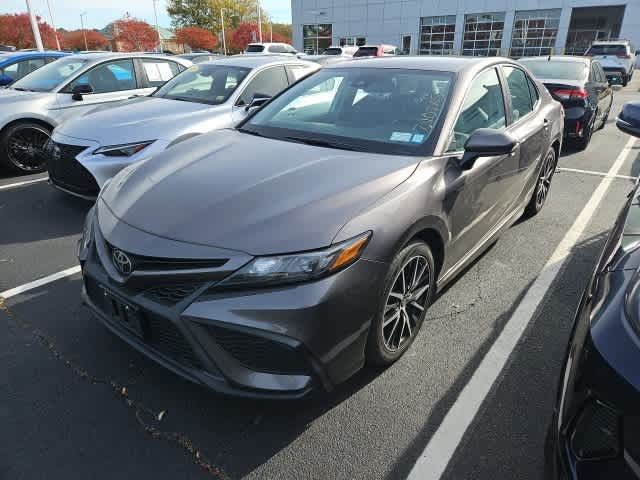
[[407, 295], [543, 185], [22, 147]]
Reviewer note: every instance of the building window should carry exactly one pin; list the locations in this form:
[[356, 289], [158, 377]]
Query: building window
[[483, 34], [351, 41], [436, 35], [316, 37], [534, 32]]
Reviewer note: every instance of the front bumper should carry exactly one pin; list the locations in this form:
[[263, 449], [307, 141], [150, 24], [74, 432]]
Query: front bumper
[[595, 431], [267, 343]]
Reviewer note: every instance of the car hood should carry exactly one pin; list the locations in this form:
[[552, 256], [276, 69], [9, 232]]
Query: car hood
[[261, 196], [9, 95], [140, 118]]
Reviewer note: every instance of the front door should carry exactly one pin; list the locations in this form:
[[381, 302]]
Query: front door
[[475, 198], [110, 81]]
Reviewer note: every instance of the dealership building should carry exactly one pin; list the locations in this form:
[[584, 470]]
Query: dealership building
[[469, 27]]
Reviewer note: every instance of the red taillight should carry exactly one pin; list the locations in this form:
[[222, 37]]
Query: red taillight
[[570, 93], [623, 55]]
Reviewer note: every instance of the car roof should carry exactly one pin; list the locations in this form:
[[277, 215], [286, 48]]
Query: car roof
[[99, 57], [254, 61], [18, 55], [443, 63], [563, 58]]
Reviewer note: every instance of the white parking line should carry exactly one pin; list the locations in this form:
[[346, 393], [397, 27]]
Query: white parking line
[[21, 184], [39, 283], [597, 174], [436, 456]]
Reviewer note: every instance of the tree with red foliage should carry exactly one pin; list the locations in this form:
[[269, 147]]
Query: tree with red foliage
[[277, 38], [74, 40], [245, 34], [132, 34], [196, 37], [15, 29]]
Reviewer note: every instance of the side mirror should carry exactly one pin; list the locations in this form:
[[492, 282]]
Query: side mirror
[[629, 119], [5, 80], [80, 90], [486, 142], [258, 100], [637, 52]]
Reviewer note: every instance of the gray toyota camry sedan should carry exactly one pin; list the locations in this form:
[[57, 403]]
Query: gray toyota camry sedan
[[285, 254]]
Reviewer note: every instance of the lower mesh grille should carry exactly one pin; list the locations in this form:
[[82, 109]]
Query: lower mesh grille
[[260, 354], [162, 334], [167, 339], [66, 171], [172, 294], [596, 433]]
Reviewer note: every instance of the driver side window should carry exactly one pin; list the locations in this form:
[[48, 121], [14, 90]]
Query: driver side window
[[482, 108], [268, 82], [108, 77]]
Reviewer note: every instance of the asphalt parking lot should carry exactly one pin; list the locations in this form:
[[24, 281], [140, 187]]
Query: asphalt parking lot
[[79, 403]]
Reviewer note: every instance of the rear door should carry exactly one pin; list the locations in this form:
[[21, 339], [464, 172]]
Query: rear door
[[527, 123], [602, 90]]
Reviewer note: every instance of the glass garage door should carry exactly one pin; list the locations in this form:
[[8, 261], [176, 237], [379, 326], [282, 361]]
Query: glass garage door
[[483, 34], [534, 32], [436, 35]]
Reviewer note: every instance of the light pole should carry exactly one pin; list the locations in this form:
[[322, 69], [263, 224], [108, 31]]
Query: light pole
[[224, 41], [155, 12], [34, 27], [84, 32], [259, 21], [53, 25]]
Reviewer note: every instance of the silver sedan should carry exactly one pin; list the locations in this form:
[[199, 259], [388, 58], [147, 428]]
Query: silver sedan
[[88, 150], [68, 87]]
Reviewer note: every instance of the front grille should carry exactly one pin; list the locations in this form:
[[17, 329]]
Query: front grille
[[145, 263], [171, 294], [259, 353], [66, 171], [596, 432]]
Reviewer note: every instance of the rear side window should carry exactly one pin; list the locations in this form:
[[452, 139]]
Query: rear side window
[[607, 50], [296, 72], [366, 52], [255, 48], [108, 77], [277, 49], [268, 83], [535, 96], [157, 72], [483, 108], [518, 85]]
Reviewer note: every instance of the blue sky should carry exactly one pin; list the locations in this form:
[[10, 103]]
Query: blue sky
[[67, 12]]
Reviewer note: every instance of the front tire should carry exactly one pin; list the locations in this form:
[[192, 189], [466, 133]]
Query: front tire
[[407, 295], [22, 147], [543, 185]]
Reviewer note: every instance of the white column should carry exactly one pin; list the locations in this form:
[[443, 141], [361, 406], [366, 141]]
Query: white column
[[505, 45], [563, 30], [34, 27]]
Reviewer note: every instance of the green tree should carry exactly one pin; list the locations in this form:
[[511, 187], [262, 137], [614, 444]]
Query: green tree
[[206, 13]]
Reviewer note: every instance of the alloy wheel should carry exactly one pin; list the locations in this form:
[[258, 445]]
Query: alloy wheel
[[406, 302], [544, 181], [25, 148]]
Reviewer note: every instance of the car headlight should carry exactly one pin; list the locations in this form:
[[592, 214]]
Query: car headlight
[[299, 267], [124, 150]]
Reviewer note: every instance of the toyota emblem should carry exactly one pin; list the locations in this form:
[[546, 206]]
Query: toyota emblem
[[122, 261]]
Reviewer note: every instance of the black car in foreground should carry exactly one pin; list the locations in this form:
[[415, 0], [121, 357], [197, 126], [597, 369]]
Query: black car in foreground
[[286, 253], [581, 86], [595, 431]]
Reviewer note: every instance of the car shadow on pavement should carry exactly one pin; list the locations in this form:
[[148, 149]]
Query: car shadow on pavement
[[37, 212], [555, 317]]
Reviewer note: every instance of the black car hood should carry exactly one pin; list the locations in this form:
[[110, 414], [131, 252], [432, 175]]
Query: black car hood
[[261, 196]]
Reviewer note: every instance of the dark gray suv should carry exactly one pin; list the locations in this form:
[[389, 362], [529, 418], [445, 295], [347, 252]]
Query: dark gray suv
[[286, 253]]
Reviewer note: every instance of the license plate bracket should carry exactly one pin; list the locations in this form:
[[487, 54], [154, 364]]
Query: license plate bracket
[[125, 314]]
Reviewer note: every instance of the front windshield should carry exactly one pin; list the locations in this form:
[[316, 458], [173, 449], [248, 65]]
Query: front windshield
[[50, 76], [545, 69], [381, 110], [204, 83]]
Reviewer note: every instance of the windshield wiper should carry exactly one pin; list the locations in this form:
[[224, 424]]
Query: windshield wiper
[[325, 143]]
